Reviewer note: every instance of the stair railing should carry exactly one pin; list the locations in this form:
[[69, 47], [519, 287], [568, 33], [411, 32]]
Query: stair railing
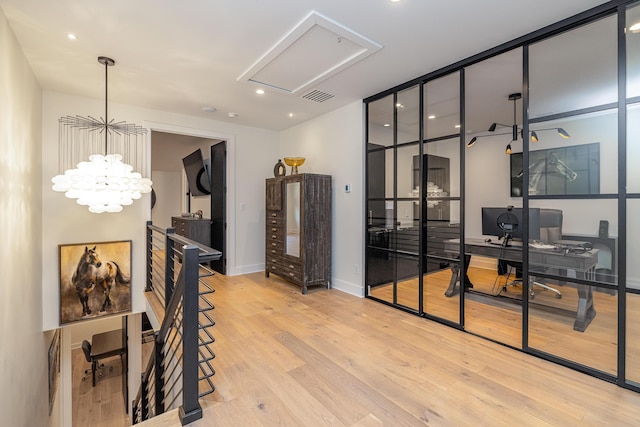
[[179, 370]]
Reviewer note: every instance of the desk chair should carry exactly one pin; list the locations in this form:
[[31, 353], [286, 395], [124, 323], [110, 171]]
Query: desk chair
[[550, 232], [95, 364]]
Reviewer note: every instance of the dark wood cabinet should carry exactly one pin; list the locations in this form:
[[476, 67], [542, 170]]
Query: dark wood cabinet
[[196, 229], [298, 229]]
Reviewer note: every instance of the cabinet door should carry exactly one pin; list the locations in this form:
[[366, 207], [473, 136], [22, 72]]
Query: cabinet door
[[274, 195]]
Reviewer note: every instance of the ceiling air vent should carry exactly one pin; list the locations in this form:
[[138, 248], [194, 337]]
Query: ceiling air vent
[[318, 96]]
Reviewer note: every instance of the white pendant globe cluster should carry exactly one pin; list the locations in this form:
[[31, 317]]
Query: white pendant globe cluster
[[104, 183]]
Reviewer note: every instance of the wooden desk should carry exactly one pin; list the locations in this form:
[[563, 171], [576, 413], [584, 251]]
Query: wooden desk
[[107, 344], [582, 263]]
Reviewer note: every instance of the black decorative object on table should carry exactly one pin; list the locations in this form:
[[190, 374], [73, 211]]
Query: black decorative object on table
[[279, 169]]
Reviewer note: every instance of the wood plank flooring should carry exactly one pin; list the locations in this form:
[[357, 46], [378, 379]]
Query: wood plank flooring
[[330, 359], [102, 405]]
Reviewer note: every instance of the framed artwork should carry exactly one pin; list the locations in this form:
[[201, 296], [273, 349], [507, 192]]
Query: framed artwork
[[562, 170], [94, 280], [54, 368]]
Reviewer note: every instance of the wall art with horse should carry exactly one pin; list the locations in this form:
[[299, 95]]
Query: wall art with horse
[[94, 280]]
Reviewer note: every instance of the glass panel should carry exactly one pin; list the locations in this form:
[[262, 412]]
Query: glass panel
[[633, 338], [489, 86], [633, 52], [574, 163], [581, 327], [443, 165], [409, 182], [633, 249], [383, 267], [292, 245], [442, 106], [376, 183], [582, 247], [491, 96], [633, 148], [563, 74], [408, 107], [380, 121], [441, 296]]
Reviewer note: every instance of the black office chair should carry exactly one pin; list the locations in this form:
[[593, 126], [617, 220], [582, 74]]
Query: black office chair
[[95, 365], [550, 232]]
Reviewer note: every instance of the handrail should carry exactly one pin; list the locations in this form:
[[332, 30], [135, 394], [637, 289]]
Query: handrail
[[172, 371]]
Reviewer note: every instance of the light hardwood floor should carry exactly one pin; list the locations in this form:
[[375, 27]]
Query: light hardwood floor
[[102, 405], [329, 358]]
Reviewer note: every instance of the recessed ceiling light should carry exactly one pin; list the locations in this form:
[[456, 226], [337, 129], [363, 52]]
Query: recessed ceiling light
[[209, 109], [260, 91], [395, 1], [457, 126], [431, 117], [71, 36], [635, 28], [386, 125], [232, 115], [290, 114]]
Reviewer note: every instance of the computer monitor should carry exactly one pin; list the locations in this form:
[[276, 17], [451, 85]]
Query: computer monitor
[[506, 223]]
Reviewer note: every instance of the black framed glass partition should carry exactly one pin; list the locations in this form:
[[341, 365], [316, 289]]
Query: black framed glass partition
[[503, 194]]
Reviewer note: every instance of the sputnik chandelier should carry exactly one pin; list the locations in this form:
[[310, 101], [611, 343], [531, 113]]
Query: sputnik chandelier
[[106, 182], [515, 130]]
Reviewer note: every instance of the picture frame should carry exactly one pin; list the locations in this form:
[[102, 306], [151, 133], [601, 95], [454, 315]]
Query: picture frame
[[94, 280], [573, 169], [54, 368]]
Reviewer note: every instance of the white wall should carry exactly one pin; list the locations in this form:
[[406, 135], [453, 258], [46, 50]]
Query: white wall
[[23, 362], [63, 221], [333, 144], [487, 175]]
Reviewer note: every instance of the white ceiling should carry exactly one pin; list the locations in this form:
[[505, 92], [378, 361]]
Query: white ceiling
[[182, 56]]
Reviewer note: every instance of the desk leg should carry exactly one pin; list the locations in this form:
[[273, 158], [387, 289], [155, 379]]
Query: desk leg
[[585, 312], [455, 277]]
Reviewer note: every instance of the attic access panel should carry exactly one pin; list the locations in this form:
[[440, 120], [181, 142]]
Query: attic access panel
[[316, 49]]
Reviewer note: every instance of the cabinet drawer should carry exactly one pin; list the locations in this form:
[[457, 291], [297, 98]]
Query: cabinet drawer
[[274, 222], [279, 269], [277, 246]]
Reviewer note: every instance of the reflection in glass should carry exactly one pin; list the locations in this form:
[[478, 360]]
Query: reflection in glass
[[581, 225], [449, 180], [380, 121], [439, 266], [633, 338], [633, 52], [292, 244], [633, 148], [555, 326], [633, 249], [558, 77], [442, 106], [383, 267], [577, 165], [408, 109]]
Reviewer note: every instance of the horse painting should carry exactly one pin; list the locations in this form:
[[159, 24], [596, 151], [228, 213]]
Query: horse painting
[[92, 272]]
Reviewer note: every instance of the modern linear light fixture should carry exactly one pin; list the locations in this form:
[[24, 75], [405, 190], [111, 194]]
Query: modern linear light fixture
[[515, 130], [107, 181]]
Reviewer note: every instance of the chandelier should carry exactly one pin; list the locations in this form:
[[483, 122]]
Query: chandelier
[[515, 130], [106, 182]]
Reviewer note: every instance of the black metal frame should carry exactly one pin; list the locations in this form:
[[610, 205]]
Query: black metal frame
[[608, 9]]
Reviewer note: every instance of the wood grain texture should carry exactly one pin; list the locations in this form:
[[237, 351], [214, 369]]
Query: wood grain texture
[[330, 359], [313, 266]]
